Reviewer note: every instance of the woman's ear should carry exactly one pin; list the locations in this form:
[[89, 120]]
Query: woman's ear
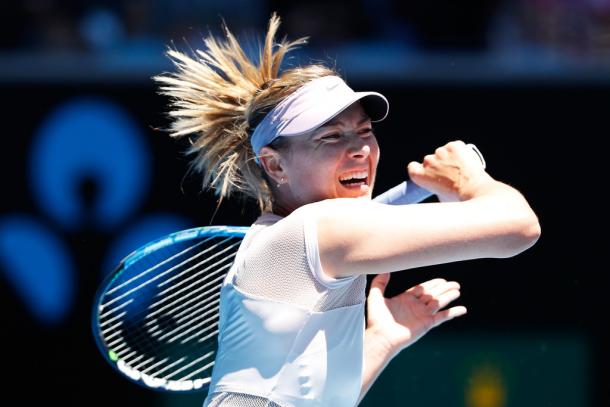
[[272, 163]]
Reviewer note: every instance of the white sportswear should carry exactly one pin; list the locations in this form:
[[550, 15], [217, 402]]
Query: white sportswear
[[290, 335]]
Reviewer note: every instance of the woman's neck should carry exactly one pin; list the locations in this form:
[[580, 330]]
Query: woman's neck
[[281, 210]]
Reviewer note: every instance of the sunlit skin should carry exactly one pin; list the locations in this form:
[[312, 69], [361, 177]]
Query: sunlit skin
[[311, 167]]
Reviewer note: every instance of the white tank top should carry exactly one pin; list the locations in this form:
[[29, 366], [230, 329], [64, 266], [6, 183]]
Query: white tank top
[[290, 335]]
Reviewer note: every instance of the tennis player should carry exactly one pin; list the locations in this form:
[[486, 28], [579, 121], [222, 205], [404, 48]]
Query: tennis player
[[301, 144]]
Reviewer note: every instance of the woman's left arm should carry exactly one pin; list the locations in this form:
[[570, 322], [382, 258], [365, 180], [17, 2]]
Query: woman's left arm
[[397, 322]]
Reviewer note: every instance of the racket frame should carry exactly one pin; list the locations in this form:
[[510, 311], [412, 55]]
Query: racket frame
[[142, 379]]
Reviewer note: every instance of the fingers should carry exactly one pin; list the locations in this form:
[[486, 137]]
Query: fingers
[[437, 293], [449, 314], [379, 284], [441, 288], [443, 154], [442, 300], [426, 287], [415, 169], [469, 152]]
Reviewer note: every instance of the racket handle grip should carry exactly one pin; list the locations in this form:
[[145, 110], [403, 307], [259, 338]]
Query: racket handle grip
[[407, 192]]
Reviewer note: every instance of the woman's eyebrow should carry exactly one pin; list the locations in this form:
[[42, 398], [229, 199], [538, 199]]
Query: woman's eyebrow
[[363, 119]]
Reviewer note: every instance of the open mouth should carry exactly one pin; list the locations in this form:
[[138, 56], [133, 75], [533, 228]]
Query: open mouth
[[355, 179]]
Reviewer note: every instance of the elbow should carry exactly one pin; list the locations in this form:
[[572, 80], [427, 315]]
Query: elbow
[[533, 230], [524, 235], [530, 233]]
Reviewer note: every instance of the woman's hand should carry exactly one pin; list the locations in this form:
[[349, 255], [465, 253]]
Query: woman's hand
[[406, 317], [453, 172]]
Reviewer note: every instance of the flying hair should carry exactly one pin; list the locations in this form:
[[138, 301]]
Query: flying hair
[[218, 96]]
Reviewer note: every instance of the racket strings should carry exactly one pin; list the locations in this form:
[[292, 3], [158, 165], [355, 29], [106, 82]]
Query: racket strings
[[174, 297], [206, 295], [157, 265], [217, 270], [150, 333], [198, 303], [158, 276]]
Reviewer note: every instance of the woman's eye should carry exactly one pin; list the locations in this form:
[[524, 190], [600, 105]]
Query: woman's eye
[[332, 136], [366, 132]]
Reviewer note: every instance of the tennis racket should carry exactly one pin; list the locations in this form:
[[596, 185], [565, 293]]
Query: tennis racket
[[155, 319]]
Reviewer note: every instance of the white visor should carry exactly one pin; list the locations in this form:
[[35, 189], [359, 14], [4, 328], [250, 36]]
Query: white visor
[[311, 106]]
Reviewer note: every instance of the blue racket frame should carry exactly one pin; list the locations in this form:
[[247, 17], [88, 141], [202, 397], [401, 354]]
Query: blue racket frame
[[137, 255]]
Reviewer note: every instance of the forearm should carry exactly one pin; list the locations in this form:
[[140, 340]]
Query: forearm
[[363, 237], [377, 355], [521, 223]]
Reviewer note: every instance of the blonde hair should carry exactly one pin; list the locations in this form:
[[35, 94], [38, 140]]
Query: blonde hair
[[219, 95]]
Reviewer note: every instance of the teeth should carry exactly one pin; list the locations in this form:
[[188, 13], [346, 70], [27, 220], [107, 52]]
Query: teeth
[[352, 175]]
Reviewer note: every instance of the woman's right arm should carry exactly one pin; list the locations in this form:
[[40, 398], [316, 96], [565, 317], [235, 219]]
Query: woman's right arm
[[477, 217]]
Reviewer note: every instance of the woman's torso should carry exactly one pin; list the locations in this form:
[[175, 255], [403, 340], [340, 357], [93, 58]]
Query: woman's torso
[[289, 334]]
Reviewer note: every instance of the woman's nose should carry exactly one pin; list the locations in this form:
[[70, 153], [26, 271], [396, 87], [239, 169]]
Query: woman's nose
[[360, 150]]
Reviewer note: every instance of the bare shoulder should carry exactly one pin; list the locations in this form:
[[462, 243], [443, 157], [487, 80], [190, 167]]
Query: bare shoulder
[[338, 207]]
